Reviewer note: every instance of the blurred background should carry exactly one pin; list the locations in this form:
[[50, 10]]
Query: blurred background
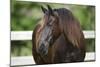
[[25, 16]]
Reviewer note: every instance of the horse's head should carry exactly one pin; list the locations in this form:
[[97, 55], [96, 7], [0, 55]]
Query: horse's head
[[50, 31]]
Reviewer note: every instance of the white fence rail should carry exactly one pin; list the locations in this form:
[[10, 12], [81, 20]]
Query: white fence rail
[[28, 60], [27, 35]]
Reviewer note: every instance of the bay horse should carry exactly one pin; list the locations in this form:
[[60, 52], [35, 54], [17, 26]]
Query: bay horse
[[58, 38]]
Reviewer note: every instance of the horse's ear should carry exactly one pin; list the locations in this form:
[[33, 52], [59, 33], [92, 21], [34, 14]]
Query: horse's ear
[[43, 9], [50, 10]]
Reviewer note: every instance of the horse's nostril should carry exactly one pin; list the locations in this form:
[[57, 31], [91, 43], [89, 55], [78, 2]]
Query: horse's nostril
[[42, 46], [42, 49]]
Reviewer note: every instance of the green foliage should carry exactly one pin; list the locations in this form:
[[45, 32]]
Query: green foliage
[[90, 45], [21, 48], [25, 16], [86, 16]]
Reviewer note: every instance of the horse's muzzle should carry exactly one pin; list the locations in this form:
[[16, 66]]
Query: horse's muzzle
[[43, 50]]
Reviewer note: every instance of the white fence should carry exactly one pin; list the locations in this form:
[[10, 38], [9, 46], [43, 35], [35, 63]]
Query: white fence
[[27, 35], [28, 60]]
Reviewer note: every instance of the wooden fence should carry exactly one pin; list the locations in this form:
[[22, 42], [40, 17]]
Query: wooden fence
[[28, 60]]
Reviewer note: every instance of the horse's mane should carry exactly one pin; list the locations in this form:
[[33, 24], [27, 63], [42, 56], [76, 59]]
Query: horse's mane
[[71, 27]]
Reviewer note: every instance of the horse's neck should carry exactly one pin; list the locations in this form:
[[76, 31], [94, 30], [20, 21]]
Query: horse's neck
[[60, 39], [61, 44], [58, 49]]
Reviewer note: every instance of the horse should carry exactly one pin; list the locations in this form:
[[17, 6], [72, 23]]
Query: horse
[[58, 38]]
